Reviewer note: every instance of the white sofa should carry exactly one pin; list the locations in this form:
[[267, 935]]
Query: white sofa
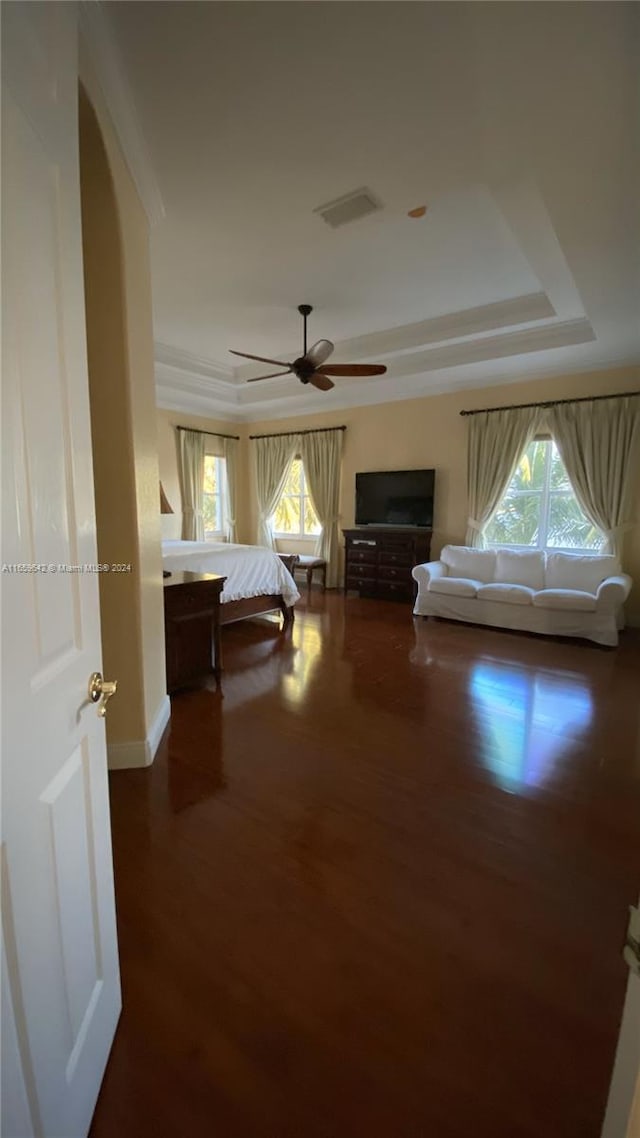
[[560, 594]]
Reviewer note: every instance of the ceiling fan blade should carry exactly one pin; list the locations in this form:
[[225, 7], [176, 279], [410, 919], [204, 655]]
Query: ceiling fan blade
[[322, 382], [319, 352], [353, 369], [271, 375], [262, 359]]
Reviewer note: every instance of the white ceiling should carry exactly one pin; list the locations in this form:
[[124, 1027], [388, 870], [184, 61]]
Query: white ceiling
[[516, 123]]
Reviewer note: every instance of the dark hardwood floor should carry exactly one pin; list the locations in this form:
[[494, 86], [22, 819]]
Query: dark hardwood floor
[[378, 888]]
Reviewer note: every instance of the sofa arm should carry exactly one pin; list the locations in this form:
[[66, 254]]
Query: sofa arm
[[613, 592], [427, 572]]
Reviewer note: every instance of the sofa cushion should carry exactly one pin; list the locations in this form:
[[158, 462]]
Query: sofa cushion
[[570, 599], [455, 586], [579, 571], [509, 594], [520, 567], [463, 561]]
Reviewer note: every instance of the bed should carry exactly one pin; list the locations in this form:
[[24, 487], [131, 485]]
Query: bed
[[258, 580]]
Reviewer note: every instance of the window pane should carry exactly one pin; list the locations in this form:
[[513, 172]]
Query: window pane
[[529, 473], [568, 527], [210, 514], [279, 520], [559, 476], [287, 516], [517, 521], [311, 523], [293, 485], [210, 479]]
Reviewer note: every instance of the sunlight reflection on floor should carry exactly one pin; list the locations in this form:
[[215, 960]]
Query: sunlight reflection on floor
[[528, 722]]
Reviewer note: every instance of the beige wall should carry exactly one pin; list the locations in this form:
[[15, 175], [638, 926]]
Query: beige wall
[[430, 432], [122, 391]]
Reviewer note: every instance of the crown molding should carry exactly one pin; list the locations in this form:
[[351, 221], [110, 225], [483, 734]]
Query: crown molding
[[469, 328], [193, 365], [312, 403], [198, 385], [106, 62], [413, 375], [518, 343], [302, 401], [560, 334], [208, 404], [453, 326]]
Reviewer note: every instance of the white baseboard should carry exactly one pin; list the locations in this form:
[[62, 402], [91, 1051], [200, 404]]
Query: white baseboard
[[140, 752], [156, 731]]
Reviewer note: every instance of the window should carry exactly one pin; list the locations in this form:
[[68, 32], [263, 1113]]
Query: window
[[214, 482], [295, 516], [540, 509]]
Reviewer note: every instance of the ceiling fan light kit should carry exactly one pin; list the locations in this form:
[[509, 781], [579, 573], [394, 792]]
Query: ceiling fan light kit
[[310, 366]]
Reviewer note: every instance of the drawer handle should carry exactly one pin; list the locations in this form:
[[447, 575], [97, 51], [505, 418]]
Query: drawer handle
[[361, 541]]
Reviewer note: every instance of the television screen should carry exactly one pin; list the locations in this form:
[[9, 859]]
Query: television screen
[[395, 498]]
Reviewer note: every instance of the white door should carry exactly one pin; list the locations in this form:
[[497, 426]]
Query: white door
[[622, 1117], [61, 991]]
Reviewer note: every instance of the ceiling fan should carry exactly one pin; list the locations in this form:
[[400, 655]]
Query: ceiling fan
[[310, 366]]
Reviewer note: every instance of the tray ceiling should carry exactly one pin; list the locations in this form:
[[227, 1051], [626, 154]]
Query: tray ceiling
[[515, 124]]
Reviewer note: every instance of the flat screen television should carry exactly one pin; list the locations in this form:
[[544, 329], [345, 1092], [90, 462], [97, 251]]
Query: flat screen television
[[395, 498]]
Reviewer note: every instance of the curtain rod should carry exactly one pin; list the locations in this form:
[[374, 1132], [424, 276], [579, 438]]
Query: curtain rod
[[214, 434], [552, 403], [282, 434]]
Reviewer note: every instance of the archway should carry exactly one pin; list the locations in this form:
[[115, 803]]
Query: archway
[[112, 435]]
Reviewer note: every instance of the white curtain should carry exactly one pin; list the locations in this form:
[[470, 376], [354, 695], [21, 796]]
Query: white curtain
[[321, 454], [273, 457], [596, 443], [191, 470], [230, 452], [496, 442]]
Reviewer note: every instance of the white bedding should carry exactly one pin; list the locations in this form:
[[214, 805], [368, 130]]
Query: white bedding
[[251, 570]]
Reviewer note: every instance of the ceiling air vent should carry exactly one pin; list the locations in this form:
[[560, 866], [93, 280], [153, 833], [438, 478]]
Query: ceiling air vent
[[348, 208]]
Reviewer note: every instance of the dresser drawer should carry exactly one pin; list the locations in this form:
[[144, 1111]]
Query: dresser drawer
[[361, 556], [400, 573], [395, 557], [369, 571], [366, 585], [190, 600]]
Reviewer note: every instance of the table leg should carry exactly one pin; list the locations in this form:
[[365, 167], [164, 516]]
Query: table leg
[[217, 648]]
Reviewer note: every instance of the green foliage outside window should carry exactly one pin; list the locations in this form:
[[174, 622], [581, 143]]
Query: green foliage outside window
[[295, 514], [540, 509], [212, 497]]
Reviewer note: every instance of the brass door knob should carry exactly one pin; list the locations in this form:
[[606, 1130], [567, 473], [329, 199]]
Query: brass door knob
[[102, 690]]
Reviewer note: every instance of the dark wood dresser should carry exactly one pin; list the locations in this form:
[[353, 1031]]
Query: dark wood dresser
[[192, 627], [378, 562]]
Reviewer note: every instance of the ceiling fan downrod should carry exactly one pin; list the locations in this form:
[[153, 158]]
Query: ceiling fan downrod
[[305, 310]]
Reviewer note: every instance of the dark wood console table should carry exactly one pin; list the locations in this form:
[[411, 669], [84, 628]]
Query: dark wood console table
[[192, 627], [378, 561]]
